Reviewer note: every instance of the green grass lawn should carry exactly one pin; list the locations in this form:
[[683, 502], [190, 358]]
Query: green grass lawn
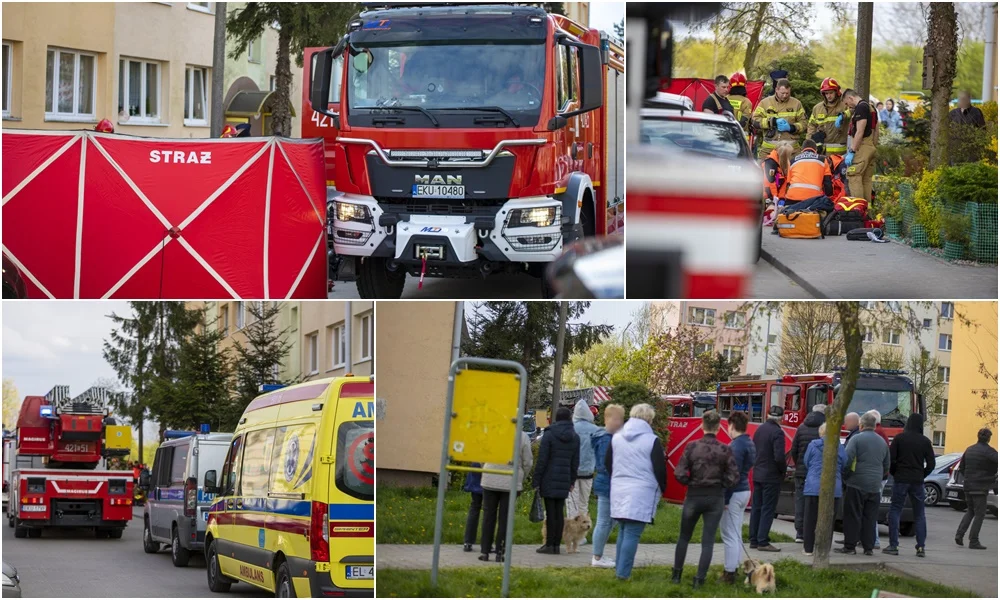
[[793, 580], [406, 516]]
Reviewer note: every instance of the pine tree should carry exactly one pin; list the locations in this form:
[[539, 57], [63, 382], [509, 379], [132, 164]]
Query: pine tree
[[258, 361], [204, 378]]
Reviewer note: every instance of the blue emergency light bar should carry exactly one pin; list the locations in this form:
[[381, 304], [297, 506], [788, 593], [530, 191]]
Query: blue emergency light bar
[[206, 428], [270, 387], [876, 371], [45, 410], [176, 434]]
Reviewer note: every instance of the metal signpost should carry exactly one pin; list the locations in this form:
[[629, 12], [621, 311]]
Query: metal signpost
[[483, 409]]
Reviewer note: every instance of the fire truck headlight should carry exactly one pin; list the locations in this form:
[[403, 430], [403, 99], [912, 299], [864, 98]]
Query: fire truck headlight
[[358, 213], [539, 217]]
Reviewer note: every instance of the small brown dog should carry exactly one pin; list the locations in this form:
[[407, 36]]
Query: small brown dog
[[759, 575], [574, 532]]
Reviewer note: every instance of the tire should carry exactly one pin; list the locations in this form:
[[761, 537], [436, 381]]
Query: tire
[[587, 220], [116, 533], [907, 529], [178, 553], [283, 586], [217, 582], [932, 495], [376, 281], [759, 243], [10, 520], [957, 505], [20, 532], [34, 532], [148, 545], [100, 532]]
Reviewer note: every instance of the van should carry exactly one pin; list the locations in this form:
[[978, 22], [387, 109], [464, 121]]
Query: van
[[176, 507], [295, 511]]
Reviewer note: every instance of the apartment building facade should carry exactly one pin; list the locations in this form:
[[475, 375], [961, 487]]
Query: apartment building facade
[[972, 393], [323, 343], [722, 325]]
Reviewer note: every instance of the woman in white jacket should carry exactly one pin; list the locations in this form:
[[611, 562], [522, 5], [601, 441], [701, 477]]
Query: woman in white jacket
[[496, 499]]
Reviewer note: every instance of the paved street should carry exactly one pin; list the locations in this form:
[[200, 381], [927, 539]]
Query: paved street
[[521, 287], [73, 564], [836, 268], [769, 283], [945, 562]]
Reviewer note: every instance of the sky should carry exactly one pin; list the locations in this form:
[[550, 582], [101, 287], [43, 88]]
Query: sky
[[603, 15], [617, 313]]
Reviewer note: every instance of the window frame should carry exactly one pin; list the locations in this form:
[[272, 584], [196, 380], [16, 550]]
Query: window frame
[[312, 352], [887, 338], [944, 407], [942, 337], [257, 43], [705, 314], [174, 463], [54, 115], [189, 71], [338, 359], [944, 374], [241, 315], [934, 439], [737, 316], [366, 337], [947, 310], [197, 7], [224, 318], [8, 79], [868, 336], [732, 352], [124, 82], [709, 348]]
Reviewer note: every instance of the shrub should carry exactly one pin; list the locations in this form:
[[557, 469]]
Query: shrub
[[970, 182], [956, 227], [887, 197], [629, 394], [925, 199]]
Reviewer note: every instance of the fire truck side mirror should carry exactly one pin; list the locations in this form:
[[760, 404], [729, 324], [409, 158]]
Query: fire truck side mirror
[[144, 480], [319, 86], [591, 78], [211, 483]]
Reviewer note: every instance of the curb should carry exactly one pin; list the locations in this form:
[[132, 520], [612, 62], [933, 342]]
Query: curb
[[777, 264]]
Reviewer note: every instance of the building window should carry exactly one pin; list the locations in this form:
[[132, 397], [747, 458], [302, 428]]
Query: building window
[[894, 306], [927, 323], [70, 92], [241, 315], [224, 319], [939, 439], [338, 349], [944, 342], [868, 304], [312, 343], [892, 337], [254, 50], [772, 339], [366, 337], [138, 91], [944, 407], [204, 7], [947, 310], [195, 98], [8, 63], [735, 320], [701, 316], [272, 83], [732, 352], [705, 348], [869, 336], [944, 374]]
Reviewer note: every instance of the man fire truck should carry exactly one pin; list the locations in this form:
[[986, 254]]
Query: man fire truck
[[55, 478], [890, 392], [465, 140]]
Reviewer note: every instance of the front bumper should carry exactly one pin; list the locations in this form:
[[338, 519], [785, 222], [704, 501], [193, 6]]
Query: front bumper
[[450, 241], [321, 584]]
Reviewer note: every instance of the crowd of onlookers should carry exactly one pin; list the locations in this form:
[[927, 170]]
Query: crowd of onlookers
[[624, 465]]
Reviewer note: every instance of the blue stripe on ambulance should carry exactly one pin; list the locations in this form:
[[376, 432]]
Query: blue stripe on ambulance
[[352, 512]]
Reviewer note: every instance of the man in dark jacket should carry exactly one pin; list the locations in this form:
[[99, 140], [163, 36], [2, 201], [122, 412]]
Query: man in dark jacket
[[555, 474], [768, 472], [807, 432], [911, 459], [979, 468]]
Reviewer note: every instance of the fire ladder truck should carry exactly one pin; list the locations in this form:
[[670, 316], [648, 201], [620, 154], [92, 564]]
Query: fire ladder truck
[[59, 471]]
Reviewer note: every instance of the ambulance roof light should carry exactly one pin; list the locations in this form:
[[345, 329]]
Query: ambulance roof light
[[270, 387]]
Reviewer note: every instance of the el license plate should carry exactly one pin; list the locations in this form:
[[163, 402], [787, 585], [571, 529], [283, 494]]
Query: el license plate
[[361, 572], [953, 495], [438, 191], [32, 508]]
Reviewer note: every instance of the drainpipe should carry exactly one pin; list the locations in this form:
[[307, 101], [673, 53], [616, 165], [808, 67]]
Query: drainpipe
[[456, 336], [348, 358], [989, 59]]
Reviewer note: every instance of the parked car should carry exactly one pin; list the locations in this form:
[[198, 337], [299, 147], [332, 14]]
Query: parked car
[[11, 583], [956, 492], [937, 481]]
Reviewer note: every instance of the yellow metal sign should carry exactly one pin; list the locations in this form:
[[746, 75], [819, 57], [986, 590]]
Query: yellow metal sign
[[484, 409]]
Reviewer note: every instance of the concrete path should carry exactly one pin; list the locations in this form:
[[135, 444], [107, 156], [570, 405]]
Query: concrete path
[[836, 268]]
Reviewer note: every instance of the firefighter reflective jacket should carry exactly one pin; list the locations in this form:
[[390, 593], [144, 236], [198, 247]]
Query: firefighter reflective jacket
[[741, 110], [808, 176], [791, 110], [824, 118]]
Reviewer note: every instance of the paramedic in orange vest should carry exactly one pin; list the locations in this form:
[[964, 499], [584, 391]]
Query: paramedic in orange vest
[[860, 157], [808, 176]]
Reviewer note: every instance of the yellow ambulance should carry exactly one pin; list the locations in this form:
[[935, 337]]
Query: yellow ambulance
[[294, 512]]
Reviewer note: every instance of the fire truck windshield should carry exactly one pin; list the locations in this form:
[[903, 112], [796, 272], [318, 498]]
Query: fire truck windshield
[[894, 405], [505, 79]]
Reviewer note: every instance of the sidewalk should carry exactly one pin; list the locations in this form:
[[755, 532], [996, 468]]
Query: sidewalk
[[944, 566], [836, 268]]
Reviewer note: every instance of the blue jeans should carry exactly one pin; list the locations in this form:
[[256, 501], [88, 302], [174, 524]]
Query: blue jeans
[[604, 525], [899, 493], [763, 505], [629, 533]]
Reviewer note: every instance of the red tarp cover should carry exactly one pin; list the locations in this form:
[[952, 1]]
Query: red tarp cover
[[699, 89], [93, 215]]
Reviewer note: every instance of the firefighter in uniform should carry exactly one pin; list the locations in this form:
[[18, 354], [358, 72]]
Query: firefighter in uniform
[[860, 157], [780, 118], [808, 176], [832, 117], [741, 105]]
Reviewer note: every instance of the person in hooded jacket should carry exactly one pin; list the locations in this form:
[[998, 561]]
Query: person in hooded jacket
[[473, 485], [555, 473], [614, 418], [638, 468], [578, 501], [911, 459], [496, 499], [806, 432], [812, 461]]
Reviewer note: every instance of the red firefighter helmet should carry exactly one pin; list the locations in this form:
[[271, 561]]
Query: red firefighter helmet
[[229, 132], [105, 126], [829, 85], [737, 79]]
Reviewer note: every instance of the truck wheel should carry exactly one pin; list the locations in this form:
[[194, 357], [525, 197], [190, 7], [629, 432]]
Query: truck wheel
[[20, 532], [116, 533], [284, 588], [907, 529], [34, 532], [148, 545], [375, 280], [217, 582], [178, 553], [100, 532], [587, 220], [10, 520]]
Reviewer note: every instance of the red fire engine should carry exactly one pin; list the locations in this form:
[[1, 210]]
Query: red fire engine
[[465, 140], [55, 480], [692, 404]]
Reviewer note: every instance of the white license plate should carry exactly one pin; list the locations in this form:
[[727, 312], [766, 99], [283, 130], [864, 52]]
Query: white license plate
[[886, 500], [361, 572], [32, 508], [953, 494], [438, 191]]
